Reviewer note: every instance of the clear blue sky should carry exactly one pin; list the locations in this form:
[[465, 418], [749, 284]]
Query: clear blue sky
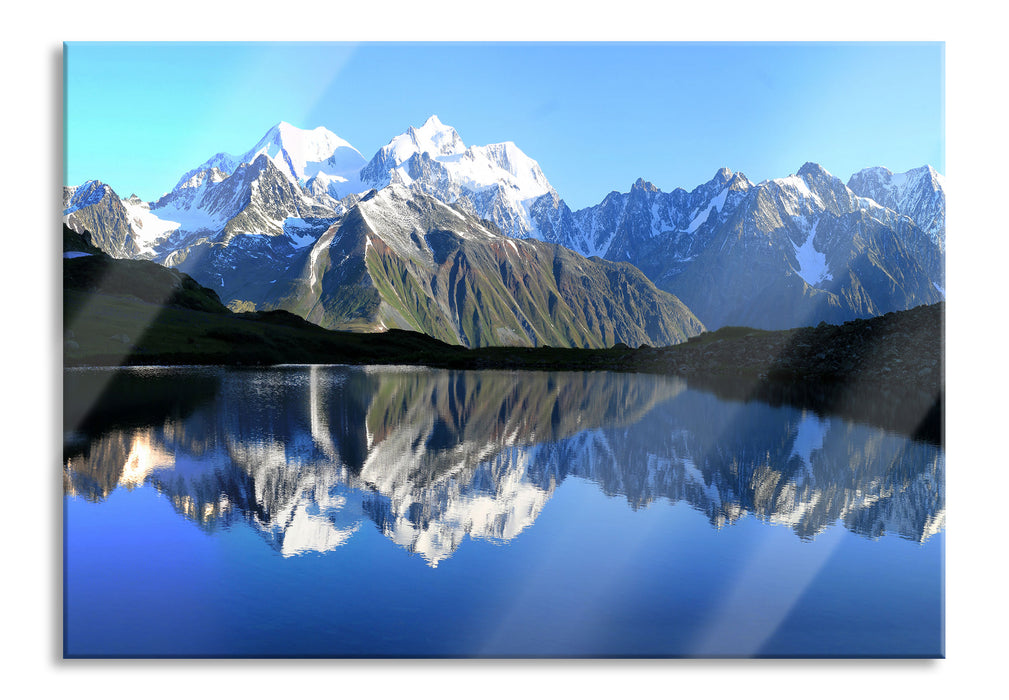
[[596, 116]]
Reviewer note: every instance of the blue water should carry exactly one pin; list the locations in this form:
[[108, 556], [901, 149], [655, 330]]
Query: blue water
[[348, 512]]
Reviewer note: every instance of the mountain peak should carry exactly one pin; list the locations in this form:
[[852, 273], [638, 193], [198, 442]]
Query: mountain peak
[[812, 169], [284, 132], [319, 143], [303, 153], [739, 181], [432, 137], [644, 185], [918, 193], [86, 194], [299, 153], [867, 178], [90, 186], [927, 172], [433, 122], [937, 177]]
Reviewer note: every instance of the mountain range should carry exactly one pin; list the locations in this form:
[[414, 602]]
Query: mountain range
[[472, 245]]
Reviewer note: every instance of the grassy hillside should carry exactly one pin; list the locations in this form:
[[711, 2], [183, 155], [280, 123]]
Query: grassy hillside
[[118, 312], [499, 293], [405, 260]]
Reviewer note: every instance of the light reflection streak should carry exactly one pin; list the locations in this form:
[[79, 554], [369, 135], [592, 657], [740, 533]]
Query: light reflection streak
[[766, 588]]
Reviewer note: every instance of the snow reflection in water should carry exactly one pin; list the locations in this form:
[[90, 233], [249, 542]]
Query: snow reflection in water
[[306, 455]]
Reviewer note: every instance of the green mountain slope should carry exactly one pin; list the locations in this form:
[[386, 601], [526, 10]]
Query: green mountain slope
[[402, 259]]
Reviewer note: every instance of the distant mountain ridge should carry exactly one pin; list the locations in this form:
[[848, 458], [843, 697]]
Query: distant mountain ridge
[[785, 252]]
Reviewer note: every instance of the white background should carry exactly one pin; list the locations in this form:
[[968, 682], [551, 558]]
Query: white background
[[976, 165]]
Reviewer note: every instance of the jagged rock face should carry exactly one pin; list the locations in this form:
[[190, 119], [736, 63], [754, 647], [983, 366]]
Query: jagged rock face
[[94, 208], [656, 230], [433, 139], [269, 220], [200, 196], [919, 194], [784, 253], [272, 199], [255, 199]]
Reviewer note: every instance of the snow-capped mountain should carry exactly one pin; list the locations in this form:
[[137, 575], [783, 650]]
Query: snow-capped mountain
[[396, 258], [300, 154], [288, 174], [919, 194], [497, 182], [788, 251], [433, 138], [785, 252], [622, 226], [781, 229], [257, 204]]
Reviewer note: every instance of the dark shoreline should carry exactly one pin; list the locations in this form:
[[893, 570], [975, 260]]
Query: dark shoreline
[[887, 370]]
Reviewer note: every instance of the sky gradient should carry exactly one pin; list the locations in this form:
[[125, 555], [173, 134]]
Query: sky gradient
[[596, 116]]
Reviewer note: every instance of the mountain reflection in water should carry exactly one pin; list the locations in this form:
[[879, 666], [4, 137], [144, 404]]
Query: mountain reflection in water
[[310, 455]]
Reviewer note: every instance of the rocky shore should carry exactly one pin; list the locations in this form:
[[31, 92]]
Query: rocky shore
[[886, 370]]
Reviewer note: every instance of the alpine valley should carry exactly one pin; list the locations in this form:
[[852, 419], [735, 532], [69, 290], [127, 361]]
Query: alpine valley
[[472, 245]]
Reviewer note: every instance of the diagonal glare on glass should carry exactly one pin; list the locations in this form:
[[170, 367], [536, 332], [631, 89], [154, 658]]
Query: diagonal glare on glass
[[741, 628]]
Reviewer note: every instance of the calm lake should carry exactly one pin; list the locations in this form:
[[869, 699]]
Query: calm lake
[[402, 512]]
